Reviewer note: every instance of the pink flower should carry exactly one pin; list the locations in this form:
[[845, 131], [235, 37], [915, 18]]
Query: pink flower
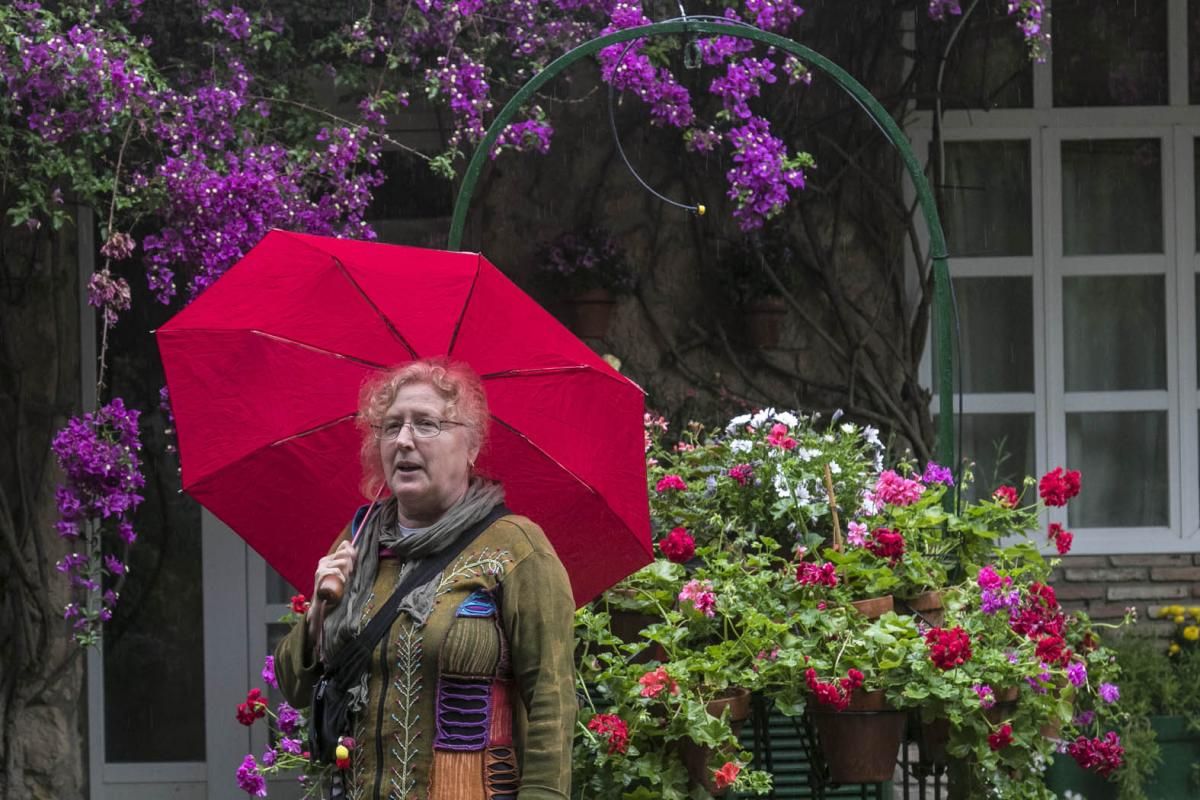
[[778, 437], [670, 482], [856, 534], [701, 596], [655, 681], [810, 574], [724, 777], [678, 546], [742, 473], [892, 488]]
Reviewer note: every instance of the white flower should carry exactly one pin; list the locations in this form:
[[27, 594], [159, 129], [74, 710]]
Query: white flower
[[829, 438], [804, 454], [802, 495], [787, 418], [847, 427], [872, 436], [762, 416], [737, 423], [741, 445], [834, 468]]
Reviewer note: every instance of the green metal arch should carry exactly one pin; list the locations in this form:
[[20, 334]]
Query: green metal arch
[[941, 272]]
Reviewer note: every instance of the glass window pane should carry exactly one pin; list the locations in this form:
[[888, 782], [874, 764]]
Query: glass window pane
[[154, 645], [1112, 196], [1196, 185], [987, 66], [1193, 11], [279, 590], [995, 334], [1123, 459], [987, 206], [1110, 52], [1000, 449], [1114, 333]]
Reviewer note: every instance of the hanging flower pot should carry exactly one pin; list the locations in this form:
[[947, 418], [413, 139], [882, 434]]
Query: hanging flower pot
[[590, 313], [695, 757], [860, 744], [628, 626], [874, 607], [927, 607], [932, 738], [764, 321], [1005, 707]]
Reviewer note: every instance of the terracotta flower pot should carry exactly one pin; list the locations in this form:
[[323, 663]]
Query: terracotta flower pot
[[628, 626], [927, 607], [1006, 705], [695, 757], [764, 321], [860, 744], [874, 607], [932, 738], [590, 313]]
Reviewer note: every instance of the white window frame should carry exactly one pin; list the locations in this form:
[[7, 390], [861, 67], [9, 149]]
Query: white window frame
[[1176, 125]]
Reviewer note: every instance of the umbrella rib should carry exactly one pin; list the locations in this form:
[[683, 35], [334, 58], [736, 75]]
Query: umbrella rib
[[534, 371], [366, 299], [315, 349], [312, 430], [552, 459], [463, 313]]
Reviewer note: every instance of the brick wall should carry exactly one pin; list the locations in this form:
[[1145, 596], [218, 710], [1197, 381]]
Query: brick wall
[[1104, 586]]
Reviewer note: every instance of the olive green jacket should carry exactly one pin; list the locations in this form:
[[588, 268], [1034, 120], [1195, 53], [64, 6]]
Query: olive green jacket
[[479, 703]]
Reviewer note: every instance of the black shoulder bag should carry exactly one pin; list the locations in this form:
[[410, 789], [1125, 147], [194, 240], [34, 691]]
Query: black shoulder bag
[[329, 716]]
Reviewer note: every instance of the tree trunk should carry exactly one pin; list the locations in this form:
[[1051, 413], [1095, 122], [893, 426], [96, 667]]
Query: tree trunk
[[43, 731]]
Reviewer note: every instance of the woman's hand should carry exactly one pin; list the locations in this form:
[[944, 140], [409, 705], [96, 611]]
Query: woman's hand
[[333, 573]]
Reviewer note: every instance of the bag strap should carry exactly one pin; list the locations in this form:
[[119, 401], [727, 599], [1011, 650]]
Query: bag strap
[[369, 636]]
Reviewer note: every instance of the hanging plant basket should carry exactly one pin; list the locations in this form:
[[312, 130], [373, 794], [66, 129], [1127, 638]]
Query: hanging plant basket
[[874, 607], [932, 738], [860, 744], [927, 607], [764, 321], [590, 312], [695, 757]]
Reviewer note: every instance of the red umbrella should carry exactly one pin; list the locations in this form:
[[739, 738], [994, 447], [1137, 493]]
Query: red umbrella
[[264, 370]]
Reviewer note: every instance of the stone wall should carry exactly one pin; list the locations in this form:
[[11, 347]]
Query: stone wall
[[1104, 586]]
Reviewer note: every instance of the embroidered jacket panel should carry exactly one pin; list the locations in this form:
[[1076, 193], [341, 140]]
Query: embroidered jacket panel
[[480, 701]]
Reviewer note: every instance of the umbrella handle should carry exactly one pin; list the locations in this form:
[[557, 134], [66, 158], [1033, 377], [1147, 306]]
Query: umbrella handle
[[331, 590], [332, 587]]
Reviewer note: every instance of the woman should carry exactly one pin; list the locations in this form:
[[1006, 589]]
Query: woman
[[475, 698]]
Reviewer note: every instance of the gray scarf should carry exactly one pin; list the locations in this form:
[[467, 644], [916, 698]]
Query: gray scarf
[[345, 620]]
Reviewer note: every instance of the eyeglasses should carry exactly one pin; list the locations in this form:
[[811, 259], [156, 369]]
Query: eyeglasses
[[424, 428]]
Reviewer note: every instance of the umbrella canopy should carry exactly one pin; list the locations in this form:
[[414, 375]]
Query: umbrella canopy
[[265, 367]]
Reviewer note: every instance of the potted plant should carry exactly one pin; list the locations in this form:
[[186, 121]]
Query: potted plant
[[1161, 732], [586, 270]]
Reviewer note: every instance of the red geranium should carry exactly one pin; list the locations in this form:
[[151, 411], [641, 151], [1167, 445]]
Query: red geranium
[[1058, 486], [948, 648], [1103, 755], [299, 604], [678, 546], [613, 730], [1001, 738], [1062, 539], [1006, 496], [724, 777], [1053, 649], [254, 708], [833, 694], [887, 544]]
